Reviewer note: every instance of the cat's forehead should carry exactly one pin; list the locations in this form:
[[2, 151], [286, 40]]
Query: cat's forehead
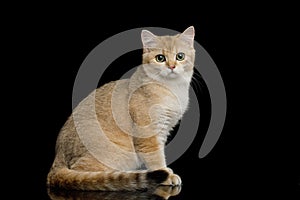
[[170, 43]]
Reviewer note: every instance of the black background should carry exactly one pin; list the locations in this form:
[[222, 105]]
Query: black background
[[51, 43]]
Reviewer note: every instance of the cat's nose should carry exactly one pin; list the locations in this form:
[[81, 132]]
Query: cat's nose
[[172, 67]]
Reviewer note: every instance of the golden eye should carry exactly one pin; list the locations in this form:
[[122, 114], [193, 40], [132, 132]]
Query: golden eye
[[180, 56], [160, 58]]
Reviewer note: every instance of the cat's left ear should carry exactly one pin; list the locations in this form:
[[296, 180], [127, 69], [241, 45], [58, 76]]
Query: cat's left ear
[[188, 36], [148, 39]]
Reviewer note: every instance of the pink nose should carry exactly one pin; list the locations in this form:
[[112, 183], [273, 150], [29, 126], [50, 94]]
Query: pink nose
[[172, 67]]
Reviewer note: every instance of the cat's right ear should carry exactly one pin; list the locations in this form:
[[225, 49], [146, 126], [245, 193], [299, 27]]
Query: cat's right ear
[[148, 39]]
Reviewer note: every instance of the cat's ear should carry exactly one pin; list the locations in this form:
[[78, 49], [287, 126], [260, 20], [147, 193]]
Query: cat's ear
[[188, 36], [148, 39]]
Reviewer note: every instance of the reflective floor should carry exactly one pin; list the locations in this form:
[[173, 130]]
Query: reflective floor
[[161, 192]]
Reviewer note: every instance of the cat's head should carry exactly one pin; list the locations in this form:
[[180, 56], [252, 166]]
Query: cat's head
[[169, 58]]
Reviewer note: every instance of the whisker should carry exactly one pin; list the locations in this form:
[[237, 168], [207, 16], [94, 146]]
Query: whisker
[[195, 85], [197, 82]]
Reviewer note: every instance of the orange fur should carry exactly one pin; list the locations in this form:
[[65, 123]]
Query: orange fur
[[114, 139]]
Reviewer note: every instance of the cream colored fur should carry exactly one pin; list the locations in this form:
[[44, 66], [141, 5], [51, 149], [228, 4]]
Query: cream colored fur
[[116, 135]]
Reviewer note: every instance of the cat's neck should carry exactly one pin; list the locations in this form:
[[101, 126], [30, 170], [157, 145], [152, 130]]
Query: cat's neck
[[179, 88]]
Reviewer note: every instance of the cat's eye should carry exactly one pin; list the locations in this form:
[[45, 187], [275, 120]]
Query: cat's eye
[[180, 56], [160, 58]]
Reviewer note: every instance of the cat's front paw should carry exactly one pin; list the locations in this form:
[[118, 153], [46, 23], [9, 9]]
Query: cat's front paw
[[165, 177], [173, 180]]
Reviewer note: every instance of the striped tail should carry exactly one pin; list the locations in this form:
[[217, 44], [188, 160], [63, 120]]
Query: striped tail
[[105, 181]]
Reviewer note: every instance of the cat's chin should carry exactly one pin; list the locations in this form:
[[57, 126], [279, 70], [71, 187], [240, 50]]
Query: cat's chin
[[172, 75]]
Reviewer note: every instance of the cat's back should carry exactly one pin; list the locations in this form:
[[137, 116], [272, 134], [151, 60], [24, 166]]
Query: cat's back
[[100, 99]]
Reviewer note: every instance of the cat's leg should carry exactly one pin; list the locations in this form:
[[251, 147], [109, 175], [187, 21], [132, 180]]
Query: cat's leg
[[151, 152], [152, 122]]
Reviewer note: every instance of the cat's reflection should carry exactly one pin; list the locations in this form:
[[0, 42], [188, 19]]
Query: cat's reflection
[[161, 192]]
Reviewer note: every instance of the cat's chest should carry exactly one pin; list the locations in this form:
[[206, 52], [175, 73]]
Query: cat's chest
[[181, 98]]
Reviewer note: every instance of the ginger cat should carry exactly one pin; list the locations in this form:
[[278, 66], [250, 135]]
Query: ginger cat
[[115, 138]]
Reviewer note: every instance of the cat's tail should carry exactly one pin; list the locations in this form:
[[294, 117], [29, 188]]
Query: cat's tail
[[106, 181]]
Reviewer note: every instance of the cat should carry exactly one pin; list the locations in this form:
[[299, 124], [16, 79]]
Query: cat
[[114, 139]]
